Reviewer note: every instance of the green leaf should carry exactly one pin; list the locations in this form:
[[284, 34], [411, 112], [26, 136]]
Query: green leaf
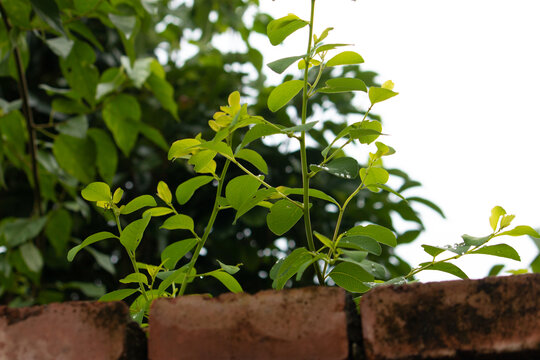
[[282, 216], [377, 95], [97, 191], [427, 203], [280, 65], [180, 149], [351, 277], [125, 24], [164, 193], [75, 156], [117, 196], [506, 221], [164, 93], [376, 232], [375, 269], [279, 29], [312, 62], [138, 203], [447, 268], [104, 261], [312, 193], [61, 46], [374, 175], [338, 85], [178, 222], [32, 257], [118, 295], [355, 255], [139, 72], [254, 159], [178, 276], [157, 211], [18, 12], [106, 154], [433, 250], [241, 189], [227, 280], [230, 269], [185, 190], [475, 241], [79, 71], [326, 241], [132, 234], [324, 34], [83, 30], [58, 230], [203, 161], [366, 132], [343, 167], [19, 230], [298, 128], [49, 12], [535, 264], [153, 135], [521, 230], [518, 271], [285, 268], [135, 278], [501, 250], [175, 251], [88, 289], [408, 236], [84, 6], [122, 115], [345, 58], [284, 93], [259, 196], [76, 127], [383, 150], [360, 242], [327, 47], [496, 213], [495, 270], [103, 235], [257, 132], [390, 190], [219, 147]]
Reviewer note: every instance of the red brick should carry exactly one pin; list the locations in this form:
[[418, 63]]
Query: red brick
[[492, 318], [74, 330], [308, 323]]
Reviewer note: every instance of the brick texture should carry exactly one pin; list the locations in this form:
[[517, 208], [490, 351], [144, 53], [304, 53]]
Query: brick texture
[[492, 318], [69, 331], [308, 323]]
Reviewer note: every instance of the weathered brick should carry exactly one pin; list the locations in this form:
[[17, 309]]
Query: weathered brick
[[308, 323], [492, 318], [69, 331]]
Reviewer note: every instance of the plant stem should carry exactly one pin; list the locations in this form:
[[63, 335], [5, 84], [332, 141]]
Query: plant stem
[[303, 153], [23, 92], [209, 226], [340, 217], [130, 254]]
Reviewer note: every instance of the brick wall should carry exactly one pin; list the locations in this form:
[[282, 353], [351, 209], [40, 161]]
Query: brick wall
[[493, 318]]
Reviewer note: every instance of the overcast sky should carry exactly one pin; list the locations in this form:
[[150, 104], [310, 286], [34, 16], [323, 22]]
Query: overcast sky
[[466, 123]]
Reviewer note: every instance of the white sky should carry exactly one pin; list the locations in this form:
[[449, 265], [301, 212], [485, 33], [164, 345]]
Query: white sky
[[466, 121]]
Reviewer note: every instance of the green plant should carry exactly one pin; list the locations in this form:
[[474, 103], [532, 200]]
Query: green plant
[[131, 235], [342, 256]]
